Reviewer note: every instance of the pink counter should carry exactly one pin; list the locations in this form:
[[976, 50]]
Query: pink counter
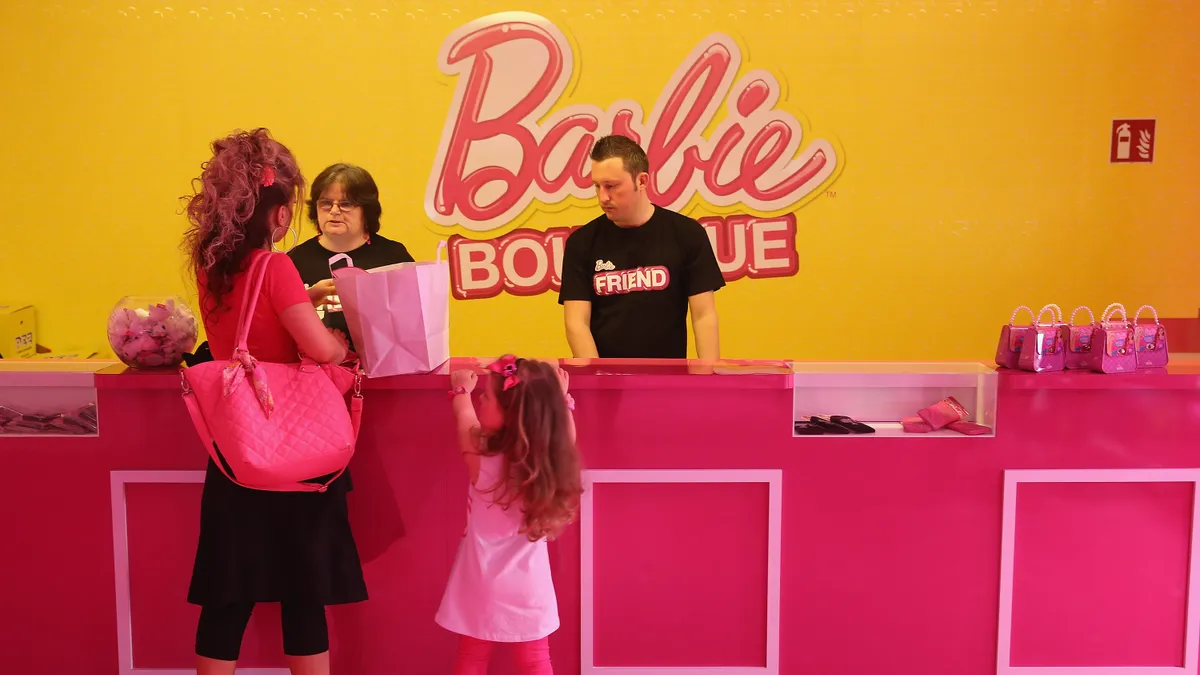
[[711, 541]]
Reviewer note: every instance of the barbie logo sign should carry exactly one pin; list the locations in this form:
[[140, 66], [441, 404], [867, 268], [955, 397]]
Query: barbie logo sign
[[501, 148]]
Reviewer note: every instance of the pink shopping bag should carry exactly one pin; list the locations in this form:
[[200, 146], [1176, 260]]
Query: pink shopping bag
[[398, 315]]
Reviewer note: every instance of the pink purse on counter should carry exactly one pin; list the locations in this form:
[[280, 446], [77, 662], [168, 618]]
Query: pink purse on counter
[[1112, 343], [915, 425], [276, 424], [1077, 341], [1008, 351], [1042, 351], [943, 413], [1151, 341]]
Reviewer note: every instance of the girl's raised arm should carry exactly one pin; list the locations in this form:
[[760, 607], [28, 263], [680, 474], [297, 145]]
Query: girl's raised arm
[[466, 420]]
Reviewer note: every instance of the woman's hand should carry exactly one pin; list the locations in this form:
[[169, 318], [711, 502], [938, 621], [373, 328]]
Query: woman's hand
[[466, 379], [344, 342], [319, 292]]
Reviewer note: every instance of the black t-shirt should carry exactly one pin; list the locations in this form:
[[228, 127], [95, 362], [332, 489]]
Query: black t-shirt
[[312, 261], [638, 280]]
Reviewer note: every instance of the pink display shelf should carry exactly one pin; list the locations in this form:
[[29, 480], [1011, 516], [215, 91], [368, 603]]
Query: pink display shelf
[[881, 394], [47, 387], [710, 541]]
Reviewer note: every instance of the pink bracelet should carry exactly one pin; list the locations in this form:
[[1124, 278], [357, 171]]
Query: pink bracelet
[[570, 401], [457, 391]]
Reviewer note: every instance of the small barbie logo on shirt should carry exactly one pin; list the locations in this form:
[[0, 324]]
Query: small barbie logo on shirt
[[620, 282]]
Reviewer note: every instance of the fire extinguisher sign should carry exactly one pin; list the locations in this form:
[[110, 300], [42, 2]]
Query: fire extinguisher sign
[[1132, 141]]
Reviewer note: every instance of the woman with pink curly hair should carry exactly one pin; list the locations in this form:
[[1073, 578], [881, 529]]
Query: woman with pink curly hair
[[255, 546]]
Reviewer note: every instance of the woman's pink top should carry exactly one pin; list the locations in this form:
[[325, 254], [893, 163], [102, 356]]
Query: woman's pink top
[[269, 340], [500, 587]]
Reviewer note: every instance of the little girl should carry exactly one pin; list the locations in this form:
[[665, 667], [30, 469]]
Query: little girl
[[525, 486]]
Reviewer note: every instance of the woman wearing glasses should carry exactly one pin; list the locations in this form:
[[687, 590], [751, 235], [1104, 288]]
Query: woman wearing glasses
[[344, 205]]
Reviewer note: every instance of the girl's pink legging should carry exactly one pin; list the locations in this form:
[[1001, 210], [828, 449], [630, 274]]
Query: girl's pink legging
[[533, 658]]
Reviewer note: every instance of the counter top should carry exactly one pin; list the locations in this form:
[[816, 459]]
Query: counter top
[[585, 374], [1182, 373], [50, 372]]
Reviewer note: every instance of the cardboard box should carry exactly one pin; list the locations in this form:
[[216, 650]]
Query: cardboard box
[[18, 332]]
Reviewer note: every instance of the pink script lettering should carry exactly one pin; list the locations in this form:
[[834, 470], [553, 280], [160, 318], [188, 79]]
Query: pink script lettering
[[501, 148]]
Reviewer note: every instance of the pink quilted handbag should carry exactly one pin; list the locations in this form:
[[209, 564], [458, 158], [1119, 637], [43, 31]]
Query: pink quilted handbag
[[1112, 343], [276, 424], [1042, 349], [1012, 337], [1151, 341], [1078, 340]]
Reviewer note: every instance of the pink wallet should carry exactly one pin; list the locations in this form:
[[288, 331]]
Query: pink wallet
[[915, 425], [969, 428], [943, 413]]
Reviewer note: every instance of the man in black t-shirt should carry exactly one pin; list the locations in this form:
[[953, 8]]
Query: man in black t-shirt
[[630, 276]]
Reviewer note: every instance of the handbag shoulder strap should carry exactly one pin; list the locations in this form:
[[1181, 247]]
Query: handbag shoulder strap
[[254, 281]]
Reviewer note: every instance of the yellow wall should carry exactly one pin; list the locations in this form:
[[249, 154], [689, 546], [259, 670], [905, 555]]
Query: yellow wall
[[972, 138]]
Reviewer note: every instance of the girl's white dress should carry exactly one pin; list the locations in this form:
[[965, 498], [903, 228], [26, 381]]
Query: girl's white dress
[[500, 587]]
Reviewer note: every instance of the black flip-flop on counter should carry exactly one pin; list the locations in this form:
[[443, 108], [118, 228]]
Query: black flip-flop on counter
[[850, 424], [829, 426], [806, 428]]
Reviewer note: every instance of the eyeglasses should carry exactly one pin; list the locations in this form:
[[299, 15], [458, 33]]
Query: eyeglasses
[[328, 204]]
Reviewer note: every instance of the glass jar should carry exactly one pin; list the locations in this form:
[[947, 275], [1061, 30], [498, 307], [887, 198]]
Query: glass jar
[[147, 331]]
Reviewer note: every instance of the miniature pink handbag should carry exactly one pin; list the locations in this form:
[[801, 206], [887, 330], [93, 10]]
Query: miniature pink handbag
[[1077, 341], [1112, 343], [1008, 351], [276, 424], [1042, 350], [1151, 341]]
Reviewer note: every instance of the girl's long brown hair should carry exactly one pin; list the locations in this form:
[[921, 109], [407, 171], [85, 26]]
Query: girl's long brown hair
[[543, 461]]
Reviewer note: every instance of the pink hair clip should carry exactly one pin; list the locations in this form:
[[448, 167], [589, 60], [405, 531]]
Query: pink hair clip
[[507, 367], [268, 176]]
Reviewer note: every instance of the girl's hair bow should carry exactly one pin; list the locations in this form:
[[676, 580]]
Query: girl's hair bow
[[506, 366]]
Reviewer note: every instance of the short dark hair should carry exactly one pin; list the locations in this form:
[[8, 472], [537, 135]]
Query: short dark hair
[[631, 154], [360, 188]]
